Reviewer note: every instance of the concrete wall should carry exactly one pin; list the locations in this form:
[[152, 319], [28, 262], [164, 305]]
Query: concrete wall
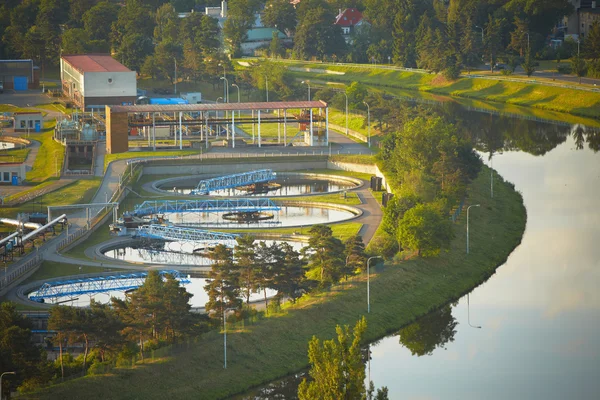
[[117, 139], [284, 165], [11, 169], [365, 169], [110, 84]]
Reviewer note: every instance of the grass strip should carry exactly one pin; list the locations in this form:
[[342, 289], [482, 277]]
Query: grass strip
[[146, 154], [270, 348], [50, 156]]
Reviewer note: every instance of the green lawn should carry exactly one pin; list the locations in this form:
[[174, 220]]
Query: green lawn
[[51, 270], [209, 92], [526, 93], [278, 344], [14, 156], [270, 130], [78, 191], [146, 154], [50, 156]]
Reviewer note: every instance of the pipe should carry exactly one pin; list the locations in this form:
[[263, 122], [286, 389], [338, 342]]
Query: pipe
[[43, 228], [30, 225], [8, 238]]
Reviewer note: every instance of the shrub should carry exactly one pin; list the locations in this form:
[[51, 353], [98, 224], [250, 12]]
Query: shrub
[[506, 72], [564, 69]]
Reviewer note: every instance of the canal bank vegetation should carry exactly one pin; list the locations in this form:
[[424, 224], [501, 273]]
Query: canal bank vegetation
[[262, 349]]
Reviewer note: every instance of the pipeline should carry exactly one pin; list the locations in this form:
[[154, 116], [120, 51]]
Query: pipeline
[[41, 229], [29, 225]]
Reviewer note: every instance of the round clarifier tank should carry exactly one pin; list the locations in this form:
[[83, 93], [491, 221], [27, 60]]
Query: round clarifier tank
[[171, 253], [286, 184], [287, 216]]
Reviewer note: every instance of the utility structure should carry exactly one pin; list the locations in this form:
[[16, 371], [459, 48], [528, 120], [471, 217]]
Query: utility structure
[[187, 235], [312, 117], [205, 186], [151, 207], [98, 284]]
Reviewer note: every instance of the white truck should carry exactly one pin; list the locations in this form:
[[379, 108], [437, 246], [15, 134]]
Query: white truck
[[192, 98]]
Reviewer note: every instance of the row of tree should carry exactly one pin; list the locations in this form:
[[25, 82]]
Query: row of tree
[[158, 312], [253, 267]]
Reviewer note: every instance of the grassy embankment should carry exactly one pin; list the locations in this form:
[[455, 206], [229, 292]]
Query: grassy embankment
[[526, 93], [146, 154], [13, 155], [277, 346]]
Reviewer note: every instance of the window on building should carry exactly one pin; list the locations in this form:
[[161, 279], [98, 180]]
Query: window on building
[[23, 125], [31, 123], [6, 177]]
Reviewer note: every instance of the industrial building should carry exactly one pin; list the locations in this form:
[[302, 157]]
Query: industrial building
[[96, 80], [19, 75], [28, 121]]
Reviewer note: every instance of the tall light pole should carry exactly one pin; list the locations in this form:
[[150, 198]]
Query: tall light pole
[[469, 314], [479, 27], [267, 87], [4, 373], [308, 84], [528, 48], [368, 123], [217, 115], [224, 88], [226, 99], [491, 176], [175, 91], [468, 208], [369, 282], [238, 90], [346, 94]]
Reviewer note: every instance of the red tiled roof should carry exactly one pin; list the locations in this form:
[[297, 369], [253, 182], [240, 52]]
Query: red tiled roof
[[95, 63], [349, 17]]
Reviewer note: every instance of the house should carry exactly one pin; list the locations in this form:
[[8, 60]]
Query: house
[[96, 80], [349, 20], [581, 20], [28, 121], [19, 74]]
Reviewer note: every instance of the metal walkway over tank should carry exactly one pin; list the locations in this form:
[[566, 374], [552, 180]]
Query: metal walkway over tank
[[99, 284], [206, 186], [177, 233], [213, 205]]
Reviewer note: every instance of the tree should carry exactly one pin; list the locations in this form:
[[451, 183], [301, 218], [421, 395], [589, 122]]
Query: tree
[[493, 40], [18, 352], [394, 212], [529, 64], [167, 24], [105, 328], [519, 38], [425, 229], [591, 48], [239, 20], [280, 14], [468, 48], [337, 370], [75, 41], [134, 25], [165, 55], [325, 254], [579, 66], [356, 257], [76, 9], [133, 50], [288, 274], [357, 92], [97, 21], [246, 263], [61, 320], [222, 283], [316, 36], [275, 48]]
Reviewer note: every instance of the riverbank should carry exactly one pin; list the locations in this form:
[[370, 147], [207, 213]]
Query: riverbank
[[528, 93], [267, 348]]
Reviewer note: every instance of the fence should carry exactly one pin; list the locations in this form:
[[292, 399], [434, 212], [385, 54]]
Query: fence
[[23, 267], [458, 210]]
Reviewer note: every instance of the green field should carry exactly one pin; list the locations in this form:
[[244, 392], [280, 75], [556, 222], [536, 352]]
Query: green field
[[50, 156], [268, 348], [270, 130], [14, 156], [527, 93]]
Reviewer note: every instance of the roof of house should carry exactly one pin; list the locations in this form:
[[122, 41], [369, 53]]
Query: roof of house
[[95, 63], [349, 17]]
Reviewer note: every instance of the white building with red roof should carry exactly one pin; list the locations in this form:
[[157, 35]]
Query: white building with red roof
[[97, 80], [349, 19]]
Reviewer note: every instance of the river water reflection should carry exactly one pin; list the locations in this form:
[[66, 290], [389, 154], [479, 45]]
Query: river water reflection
[[540, 313]]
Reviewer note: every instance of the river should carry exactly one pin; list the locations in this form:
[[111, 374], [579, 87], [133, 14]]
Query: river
[[532, 331]]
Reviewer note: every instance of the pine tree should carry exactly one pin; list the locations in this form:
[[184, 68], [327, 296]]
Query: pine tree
[[222, 283]]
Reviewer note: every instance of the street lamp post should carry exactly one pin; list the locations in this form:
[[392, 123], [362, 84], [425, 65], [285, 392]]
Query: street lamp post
[[217, 115], [368, 123], [238, 90], [479, 27], [4, 373], [469, 314], [307, 84], [267, 87], [468, 208], [224, 88], [369, 282], [226, 99]]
